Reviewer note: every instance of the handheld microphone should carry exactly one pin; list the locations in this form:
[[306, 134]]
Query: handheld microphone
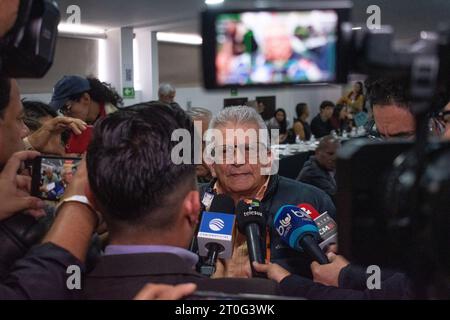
[[215, 235], [251, 222], [299, 231], [206, 204], [326, 224]]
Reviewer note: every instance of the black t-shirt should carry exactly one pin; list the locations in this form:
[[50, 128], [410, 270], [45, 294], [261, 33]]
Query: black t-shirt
[[319, 128]]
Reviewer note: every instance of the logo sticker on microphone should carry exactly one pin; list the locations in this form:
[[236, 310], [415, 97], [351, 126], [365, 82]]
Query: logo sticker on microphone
[[216, 224]]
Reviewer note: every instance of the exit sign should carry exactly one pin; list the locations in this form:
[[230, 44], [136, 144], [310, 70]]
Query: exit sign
[[128, 93]]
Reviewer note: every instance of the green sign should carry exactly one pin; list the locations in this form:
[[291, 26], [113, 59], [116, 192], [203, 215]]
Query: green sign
[[128, 93], [234, 92]]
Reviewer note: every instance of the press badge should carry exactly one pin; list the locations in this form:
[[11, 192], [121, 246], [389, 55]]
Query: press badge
[[207, 200]]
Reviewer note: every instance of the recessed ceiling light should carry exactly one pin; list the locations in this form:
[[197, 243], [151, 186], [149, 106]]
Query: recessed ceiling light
[[81, 29], [192, 39], [213, 2]]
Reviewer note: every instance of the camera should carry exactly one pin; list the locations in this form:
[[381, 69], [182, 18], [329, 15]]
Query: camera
[[28, 49]]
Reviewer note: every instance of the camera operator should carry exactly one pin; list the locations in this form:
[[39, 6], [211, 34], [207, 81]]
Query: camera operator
[[392, 110]]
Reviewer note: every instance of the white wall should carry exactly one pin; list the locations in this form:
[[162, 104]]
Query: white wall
[[213, 100], [286, 98]]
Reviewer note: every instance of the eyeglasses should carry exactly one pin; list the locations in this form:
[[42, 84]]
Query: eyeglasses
[[247, 152], [66, 108]]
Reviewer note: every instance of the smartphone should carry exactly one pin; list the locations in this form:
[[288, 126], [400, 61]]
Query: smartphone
[[51, 176], [79, 143]]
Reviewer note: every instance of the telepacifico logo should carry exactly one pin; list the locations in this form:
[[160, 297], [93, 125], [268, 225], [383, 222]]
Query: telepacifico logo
[[216, 225], [229, 147]]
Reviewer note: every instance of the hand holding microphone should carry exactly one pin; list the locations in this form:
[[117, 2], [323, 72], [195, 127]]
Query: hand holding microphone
[[328, 274]]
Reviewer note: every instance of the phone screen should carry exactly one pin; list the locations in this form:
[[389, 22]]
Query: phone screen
[[51, 176]]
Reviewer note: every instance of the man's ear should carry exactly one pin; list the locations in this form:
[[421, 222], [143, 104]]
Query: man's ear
[[191, 207], [91, 198]]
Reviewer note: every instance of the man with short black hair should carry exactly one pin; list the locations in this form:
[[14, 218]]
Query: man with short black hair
[[391, 109], [151, 206], [36, 114], [320, 125]]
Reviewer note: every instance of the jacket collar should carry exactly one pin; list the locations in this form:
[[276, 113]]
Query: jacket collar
[[271, 187]]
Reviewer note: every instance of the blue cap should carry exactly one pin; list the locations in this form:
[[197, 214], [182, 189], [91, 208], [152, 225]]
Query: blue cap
[[67, 87]]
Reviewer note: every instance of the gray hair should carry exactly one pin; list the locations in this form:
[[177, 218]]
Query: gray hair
[[252, 104], [166, 89], [240, 115], [199, 113]]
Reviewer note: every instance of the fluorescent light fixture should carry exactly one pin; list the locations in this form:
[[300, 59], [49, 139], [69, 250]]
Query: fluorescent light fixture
[[356, 28], [213, 2], [102, 60], [82, 30], [184, 38]]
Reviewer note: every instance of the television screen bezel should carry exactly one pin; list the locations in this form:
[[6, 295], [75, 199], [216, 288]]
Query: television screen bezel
[[208, 29]]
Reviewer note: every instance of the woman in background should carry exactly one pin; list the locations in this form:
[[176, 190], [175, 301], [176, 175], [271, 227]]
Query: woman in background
[[87, 99], [340, 120], [280, 122], [301, 127], [355, 98]]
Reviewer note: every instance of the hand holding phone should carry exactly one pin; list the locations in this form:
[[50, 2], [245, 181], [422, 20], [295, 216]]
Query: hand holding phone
[[79, 143], [52, 176]]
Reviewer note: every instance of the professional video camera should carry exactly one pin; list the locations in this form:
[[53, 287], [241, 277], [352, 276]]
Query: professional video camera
[[393, 197], [28, 49]]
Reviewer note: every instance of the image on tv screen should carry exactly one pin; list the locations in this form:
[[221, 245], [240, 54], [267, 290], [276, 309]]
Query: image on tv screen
[[254, 48]]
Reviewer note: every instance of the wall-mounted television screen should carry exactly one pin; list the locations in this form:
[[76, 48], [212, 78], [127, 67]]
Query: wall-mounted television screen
[[270, 47]]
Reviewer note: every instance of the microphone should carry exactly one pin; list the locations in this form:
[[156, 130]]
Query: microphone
[[326, 225], [206, 204], [299, 231], [251, 222], [215, 235]]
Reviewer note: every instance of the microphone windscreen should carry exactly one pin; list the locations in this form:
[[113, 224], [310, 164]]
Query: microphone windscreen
[[292, 224], [222, 203], [309, 209]]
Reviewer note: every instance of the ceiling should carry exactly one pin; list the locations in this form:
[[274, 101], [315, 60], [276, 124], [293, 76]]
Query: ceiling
[[407, 16]]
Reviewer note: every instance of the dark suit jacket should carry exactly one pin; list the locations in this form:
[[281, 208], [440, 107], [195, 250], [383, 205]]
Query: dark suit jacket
[[40, 275], [123, 276]]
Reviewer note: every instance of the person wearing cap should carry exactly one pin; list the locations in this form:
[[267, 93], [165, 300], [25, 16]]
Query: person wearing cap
[[87, 99]]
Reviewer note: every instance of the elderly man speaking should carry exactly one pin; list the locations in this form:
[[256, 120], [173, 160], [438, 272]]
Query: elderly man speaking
[[241, 169]]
